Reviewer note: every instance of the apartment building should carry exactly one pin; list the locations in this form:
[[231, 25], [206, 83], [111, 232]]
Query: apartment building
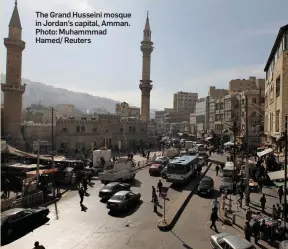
[[276, 87], [202, 114], [211, 114], [239, 85], [184, 102], [124, 110], [214, 92]]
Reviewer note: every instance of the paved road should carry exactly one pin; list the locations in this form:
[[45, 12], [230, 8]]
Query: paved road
[[70, 228], [192, 228]]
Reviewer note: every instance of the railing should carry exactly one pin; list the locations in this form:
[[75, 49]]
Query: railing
[[29, 200]]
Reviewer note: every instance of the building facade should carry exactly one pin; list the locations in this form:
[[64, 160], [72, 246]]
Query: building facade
[[13, 89], [201, 112], [145, 84], [124, 110], [98, 131], [239, 85], [276, 88], [211, 114], [216, 93], [193, 123], [184, 102]]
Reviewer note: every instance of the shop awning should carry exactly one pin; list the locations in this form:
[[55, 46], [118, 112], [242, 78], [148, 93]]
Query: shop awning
[[277, 175], [264, 152]]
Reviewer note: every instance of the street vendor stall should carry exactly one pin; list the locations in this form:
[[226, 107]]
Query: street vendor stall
[[272, 226]]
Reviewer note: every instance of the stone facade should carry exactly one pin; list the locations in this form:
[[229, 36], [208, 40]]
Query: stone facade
[[145, 86], [215, 93], [240, 85], [12, 89], [102, 130], [184, 102], [124, 110], [276, 88]]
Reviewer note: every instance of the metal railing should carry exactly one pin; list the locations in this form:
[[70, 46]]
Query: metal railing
[[29, 200]]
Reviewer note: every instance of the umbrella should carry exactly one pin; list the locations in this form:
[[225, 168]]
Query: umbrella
[[229, 144]]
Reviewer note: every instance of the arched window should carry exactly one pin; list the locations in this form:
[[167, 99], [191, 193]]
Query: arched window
[[134, 129], [78, 129], [83, 129], [130, 129]]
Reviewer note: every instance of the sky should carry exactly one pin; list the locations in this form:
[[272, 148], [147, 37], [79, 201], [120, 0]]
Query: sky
[[197, 44]]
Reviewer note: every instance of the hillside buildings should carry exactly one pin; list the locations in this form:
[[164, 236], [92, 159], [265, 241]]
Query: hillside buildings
[[276, 88], [124, 110]]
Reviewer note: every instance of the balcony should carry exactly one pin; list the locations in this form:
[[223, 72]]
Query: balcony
[[13, 88]]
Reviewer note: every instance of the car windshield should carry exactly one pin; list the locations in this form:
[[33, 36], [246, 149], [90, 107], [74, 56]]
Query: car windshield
[[118, 197], [110, 186], [226, 179], [206, 182], [158, 161]]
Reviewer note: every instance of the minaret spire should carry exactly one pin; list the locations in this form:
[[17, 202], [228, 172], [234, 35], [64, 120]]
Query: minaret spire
[[15, 18]]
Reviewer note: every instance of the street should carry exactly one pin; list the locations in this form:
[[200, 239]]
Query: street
[[70, 228]]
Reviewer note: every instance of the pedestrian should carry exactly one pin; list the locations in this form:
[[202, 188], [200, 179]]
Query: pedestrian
[[240, 199], [155, 203], [263, 202], [159, 187], [248, 215], [280, 193], [38, 246], [81, 194], [247, 230], [213, 218], [153, 193], [279, 211], [256, 231], [215, 205], [217, 169], [274, 212], [85, 184]]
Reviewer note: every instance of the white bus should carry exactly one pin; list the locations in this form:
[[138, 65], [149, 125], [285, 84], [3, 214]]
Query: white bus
[[180, 170]]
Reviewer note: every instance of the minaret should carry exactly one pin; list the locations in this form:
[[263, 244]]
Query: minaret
[[13, 90], [145, 85]]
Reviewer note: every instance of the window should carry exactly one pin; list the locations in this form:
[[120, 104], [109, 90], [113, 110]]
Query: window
[[83, 129], [278, 85], [254, 101], [277, 121], [130, 129], [121, 130], [94, 129], [134, 129], [78, 129]]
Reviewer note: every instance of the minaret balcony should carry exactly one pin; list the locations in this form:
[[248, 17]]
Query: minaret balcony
[[145, 86], [8, 42], [13, 88]]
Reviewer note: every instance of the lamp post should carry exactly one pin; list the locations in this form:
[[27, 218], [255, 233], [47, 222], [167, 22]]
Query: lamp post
[[285, 170]]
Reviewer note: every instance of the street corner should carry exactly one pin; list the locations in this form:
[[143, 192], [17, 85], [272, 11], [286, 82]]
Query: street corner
[[164, 225]]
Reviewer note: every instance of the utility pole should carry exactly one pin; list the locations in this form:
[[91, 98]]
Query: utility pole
[[285, 170], [247, 170], [52, 147]]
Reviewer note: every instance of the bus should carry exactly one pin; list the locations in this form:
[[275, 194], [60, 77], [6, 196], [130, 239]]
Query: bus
[[181, 169]]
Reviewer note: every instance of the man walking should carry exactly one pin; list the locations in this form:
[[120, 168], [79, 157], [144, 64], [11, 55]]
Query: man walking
[[214, 217], [153, 193], [217, 169], [280, 193], [81, 194], [159, 187], [263, 202], [155, 203], [240, 199], [38, 246]]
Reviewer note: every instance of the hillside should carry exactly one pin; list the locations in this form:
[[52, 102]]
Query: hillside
[[48, 95]]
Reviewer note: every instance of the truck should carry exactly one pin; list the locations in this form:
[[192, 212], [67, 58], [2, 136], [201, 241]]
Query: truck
[[121, 170], [97, 155]]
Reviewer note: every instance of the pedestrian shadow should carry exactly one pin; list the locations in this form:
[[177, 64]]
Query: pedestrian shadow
[[136, 183], [183, 243], [158, 213], [83, 208]]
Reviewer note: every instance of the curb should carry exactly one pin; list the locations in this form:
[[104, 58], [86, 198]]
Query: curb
[[50, 202], [169, 227]]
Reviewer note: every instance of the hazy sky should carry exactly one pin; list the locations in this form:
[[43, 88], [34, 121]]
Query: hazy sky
[[198, 43]]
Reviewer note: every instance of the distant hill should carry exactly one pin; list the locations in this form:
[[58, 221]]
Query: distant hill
[[48, 95]]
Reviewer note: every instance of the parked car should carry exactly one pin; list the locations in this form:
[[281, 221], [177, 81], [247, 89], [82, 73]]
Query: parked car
[[123, 200], [112, 188], [226, 185], [156, 169], [206, 186], [164, 172], [16, 219], [162, 160], [226, 240]]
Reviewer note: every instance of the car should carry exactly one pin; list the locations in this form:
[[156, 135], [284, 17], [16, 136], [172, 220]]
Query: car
[[226, 185], [206, 186], [16, 219], [123, 200], [155, 169], [226, 240], [164, 172], [162, 160], [112, 188]]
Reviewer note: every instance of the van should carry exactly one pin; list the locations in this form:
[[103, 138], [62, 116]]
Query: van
[[228, 170]]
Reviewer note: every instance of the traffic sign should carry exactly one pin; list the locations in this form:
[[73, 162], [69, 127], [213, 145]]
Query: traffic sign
[[164, 191]]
